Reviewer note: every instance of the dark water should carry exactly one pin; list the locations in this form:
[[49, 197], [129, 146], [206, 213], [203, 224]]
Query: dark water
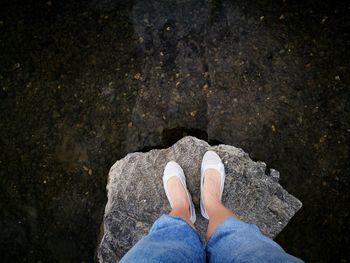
[[85, 82]]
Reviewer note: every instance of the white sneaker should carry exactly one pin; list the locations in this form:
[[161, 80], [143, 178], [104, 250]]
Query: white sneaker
[[211, 160], [174, 169]]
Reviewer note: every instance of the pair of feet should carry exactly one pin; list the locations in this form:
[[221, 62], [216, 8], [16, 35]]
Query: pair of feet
[[212, 181]]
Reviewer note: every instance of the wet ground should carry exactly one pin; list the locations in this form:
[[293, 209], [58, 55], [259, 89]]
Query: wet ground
[[85, 82]]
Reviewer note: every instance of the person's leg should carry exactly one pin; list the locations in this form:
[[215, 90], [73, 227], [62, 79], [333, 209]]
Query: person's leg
[[217, 212], [232, 240], [181, 207], [172, 237], [171, 240]]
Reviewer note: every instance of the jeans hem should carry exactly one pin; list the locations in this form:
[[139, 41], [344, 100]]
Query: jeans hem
[[181, 219], [218, 228]]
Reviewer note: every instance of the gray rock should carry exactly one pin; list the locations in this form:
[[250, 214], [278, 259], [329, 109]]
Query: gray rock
[[136, 197]]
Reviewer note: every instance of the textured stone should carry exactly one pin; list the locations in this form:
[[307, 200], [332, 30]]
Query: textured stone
[[136, 197]]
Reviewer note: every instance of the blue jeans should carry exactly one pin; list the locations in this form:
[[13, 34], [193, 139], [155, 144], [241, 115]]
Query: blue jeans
[[171, 239]]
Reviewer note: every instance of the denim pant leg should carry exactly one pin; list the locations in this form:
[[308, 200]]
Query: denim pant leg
[[236, 241], [170, 239]]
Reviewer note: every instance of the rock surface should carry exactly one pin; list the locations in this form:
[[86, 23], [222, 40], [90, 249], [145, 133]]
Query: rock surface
[[136, 197]]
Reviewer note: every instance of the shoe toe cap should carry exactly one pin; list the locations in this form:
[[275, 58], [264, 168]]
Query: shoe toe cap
[[211, 157], [172, 168]]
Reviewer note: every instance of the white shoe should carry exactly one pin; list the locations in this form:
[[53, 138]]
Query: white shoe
[[211, 160], [174, 169]]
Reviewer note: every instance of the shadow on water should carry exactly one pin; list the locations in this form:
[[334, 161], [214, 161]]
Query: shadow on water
[[171, 136]]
